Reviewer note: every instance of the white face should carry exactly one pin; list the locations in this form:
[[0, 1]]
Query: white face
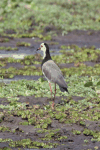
[[43, 48]]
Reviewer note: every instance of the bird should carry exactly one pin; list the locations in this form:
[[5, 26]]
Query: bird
[[51, 71]]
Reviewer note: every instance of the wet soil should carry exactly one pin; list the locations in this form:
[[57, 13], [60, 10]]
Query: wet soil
[[69, 65], [31, 100], [77, 37], [80, 38], [73, 142]]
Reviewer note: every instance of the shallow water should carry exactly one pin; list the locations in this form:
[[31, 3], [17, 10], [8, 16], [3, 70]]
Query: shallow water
[[24, 51], [20, 54], [20, 77]]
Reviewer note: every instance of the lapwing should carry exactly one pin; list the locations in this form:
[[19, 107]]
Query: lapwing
[[51, 71]]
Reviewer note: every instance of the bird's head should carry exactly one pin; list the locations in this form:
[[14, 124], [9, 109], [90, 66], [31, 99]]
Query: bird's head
[[45, 48]]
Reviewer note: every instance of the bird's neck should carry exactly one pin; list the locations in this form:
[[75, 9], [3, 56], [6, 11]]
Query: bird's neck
[[46, 58]]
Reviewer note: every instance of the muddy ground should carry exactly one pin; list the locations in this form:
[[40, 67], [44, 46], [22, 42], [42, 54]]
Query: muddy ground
[[77, 37], [73, 142]]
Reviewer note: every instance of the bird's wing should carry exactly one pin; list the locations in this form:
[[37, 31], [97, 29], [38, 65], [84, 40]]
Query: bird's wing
[[53, 73]]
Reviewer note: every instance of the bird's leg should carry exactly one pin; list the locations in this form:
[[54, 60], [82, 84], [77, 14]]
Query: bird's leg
[[50, 90], [55, 91], [54, 97]]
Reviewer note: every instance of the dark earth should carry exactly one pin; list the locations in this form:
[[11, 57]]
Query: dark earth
[[73, 142]]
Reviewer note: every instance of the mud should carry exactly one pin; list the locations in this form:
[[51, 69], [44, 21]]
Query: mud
[[77, 37], [73, 142]]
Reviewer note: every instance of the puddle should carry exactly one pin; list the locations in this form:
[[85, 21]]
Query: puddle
[[20, 77], [13, 55], [23, 51]]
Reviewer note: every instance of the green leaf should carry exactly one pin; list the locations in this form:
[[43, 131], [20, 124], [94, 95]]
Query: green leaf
[[98, 83], [88, 84]]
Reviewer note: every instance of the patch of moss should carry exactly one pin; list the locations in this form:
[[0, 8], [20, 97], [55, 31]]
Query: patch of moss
[[11, 72], [3, 129], [47, 130], [82, 123], [4, 40], [62, 138], [5, 140], [76, 132], [2, 64], [88, 132], [82, 70], [47, 37], [31, 144], [76, 54], [60, 116], [22, 44], [52, 135], [1, 116], [53, 43], [63, 47], [28, 60], [95, 134], [24, 123], [43, 123], [86, 141], [9, 48]]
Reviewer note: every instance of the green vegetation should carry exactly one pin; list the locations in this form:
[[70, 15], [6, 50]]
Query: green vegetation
[[3, 129], [8, 48], [37, 88], [83, 70], [41, 117], [86, 141], [74, 54], [32, 16], [20, 19], [22, 44], [4, 40], [11, 72], [31, 144], [28, 60], [28, 143], [95, 134], [69, 112], [82, 123], [76, 132]]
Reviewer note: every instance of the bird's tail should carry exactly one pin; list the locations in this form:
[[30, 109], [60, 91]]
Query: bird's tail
[[63, 89]]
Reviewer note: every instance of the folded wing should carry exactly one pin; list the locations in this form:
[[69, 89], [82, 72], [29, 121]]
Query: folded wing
[[53, 74]]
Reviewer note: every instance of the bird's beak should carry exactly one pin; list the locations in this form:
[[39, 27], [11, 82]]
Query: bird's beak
[[38, 48]]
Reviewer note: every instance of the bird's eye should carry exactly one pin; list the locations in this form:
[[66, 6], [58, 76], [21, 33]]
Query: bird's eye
[[41, 46]]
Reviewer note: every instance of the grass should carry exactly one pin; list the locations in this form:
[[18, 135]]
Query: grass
[[64, 15]]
